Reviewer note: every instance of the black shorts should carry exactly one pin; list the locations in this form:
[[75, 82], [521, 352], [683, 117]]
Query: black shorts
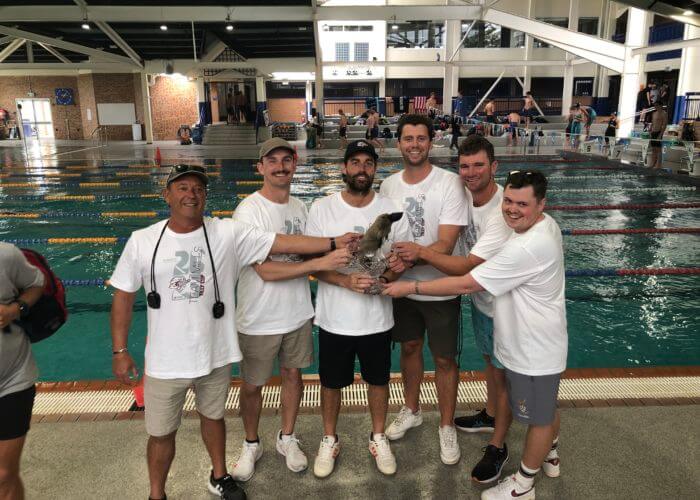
[[336, 358], [490, 118], [374, 132], [342, 132], [16, 413], [439, 317], [654, 143]]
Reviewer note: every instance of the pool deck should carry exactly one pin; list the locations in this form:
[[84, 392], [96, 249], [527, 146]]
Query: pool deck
[[613, 448]]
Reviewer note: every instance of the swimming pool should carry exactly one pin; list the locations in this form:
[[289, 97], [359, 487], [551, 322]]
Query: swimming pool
[[613, 321]]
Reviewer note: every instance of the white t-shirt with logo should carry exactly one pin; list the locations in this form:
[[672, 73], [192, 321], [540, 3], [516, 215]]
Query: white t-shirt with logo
[[184, 339], [272, 307], [439, 199], [484, 238], [343, 311], [527, 280]]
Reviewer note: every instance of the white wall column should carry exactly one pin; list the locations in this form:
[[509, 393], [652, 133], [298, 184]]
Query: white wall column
[[382, 95], [638, 22], [527, 72], [689, 74], [202, 104], [309, 97], [147, 118], [260, 90], [568, 90], [319, 89], [450, 79], [600, 81]]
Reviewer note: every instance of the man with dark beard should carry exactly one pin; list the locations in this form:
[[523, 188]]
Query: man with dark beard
[[352, 323]]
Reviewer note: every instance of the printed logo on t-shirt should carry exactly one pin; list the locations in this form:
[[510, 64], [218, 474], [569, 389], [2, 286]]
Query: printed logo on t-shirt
[[416, 215], [188, 278], [293, 226], [466, 240]]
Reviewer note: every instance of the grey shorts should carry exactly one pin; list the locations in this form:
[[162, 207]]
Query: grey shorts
[[533, 399], [412, 318], [164, 399], [294, 350]]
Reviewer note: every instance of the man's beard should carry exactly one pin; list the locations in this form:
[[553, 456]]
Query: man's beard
[[358, 187]]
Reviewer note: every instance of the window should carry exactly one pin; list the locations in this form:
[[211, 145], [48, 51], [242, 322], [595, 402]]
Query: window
[[342, 52], [362, 52], [562, 22], [588, 25], [348, 27], [418, 34]]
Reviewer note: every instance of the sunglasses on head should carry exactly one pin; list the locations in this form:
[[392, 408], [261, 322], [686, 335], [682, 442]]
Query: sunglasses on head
[[189, 168]]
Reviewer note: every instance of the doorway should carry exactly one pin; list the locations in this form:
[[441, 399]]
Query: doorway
[[36, 118]]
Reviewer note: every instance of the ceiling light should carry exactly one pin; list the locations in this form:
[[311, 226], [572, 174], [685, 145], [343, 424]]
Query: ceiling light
[[163, 27], [688, 13], [394, 27], [85, 25], [285, 82], [229, 27]]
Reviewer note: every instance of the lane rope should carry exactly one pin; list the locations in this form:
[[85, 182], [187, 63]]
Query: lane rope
[[624, 206]]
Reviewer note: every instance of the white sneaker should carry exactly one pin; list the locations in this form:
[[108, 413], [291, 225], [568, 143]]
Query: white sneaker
[[404, 421], [449, 447], [325, 460], [289, 449], [507, 490], [551, 464], [245, 465], [381, 451]]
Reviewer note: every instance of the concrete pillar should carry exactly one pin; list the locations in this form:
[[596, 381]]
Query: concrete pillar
[[260, 102], [689, 74], [527, 71], [147, 118], [638, 22], [450, 80], [203, 107], [309, 97], [568, 90], [319, 89], [601, 74], [382, 96]]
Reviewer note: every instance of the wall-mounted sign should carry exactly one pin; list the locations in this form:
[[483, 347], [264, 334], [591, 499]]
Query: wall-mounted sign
[[64, 97]]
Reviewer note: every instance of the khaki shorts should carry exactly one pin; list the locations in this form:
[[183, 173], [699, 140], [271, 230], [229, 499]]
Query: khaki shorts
[[294, 350], [165, 398]]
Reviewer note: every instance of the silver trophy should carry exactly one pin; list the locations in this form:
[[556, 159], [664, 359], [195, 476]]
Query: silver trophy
[[369, 258]]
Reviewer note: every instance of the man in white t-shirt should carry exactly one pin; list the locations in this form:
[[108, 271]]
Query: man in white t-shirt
[[274, 310], [479, 242], [353, 323], [188, 265], [526, 279], [436, 205]]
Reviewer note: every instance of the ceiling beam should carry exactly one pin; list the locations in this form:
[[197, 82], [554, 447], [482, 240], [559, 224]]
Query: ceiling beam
[[7, 51], [6, 39], [61, 44], [55, 53], [214, 51], [113, 35], [101, 67], [680, 44], [30, 51], [156, 14]]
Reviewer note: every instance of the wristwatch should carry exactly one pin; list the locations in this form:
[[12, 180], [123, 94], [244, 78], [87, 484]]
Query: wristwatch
[[23, 308]]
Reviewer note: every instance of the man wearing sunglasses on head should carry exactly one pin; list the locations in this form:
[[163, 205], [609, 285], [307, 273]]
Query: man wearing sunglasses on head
[[188, 265], [526, 279]]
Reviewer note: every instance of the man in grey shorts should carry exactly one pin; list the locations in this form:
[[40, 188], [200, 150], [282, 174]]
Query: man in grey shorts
[[188, 265], [526, 279], [274, 311]]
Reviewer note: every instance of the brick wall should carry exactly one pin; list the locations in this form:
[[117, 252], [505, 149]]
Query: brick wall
[[16, 87], [115, 88], [173, 103], [286, 109]]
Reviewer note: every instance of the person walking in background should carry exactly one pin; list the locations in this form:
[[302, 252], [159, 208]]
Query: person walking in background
[[343, 130]]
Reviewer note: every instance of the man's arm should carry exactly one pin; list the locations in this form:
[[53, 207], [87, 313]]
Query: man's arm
[[445, 244], [123, 365], [452, 265], [310, 245], [271, 270], [11, 312], [453, 285], [356, 282]]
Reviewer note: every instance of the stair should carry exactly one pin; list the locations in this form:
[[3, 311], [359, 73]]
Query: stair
[[229, 135]]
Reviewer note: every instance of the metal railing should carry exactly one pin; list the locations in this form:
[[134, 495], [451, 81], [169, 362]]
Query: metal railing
[[100, 135]]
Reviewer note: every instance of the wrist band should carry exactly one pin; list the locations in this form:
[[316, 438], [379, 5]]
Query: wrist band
[[333, 244], [417, 289], [119, 351]]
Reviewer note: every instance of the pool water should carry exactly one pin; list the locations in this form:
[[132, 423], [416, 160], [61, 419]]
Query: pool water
[[613, 321]]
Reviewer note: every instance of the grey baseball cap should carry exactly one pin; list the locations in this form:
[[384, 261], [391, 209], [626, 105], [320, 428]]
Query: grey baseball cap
[[274, 143], [180, 170]]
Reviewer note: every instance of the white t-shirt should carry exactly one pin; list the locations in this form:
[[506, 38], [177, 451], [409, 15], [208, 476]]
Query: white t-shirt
[[439, 199], [272, 307], [527, 279], [484, 238], [184, 339], [339, 310]]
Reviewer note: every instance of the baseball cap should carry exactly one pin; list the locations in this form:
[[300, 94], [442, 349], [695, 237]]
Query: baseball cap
[[180, 170], [274, 143], [360, 146]]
